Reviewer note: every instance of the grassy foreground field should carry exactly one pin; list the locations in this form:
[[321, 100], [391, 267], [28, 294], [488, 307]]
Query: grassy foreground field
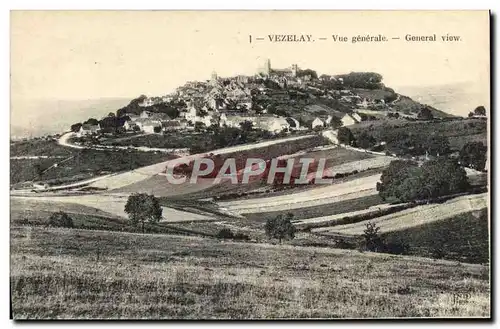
[[69, 273]]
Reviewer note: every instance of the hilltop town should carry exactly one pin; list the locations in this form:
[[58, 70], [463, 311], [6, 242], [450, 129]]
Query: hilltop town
[[273, 100]]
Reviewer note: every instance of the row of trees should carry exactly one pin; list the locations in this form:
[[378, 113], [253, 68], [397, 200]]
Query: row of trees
[[399, 142], [143, 208], [480, 110], [405, 181], [472, 154]]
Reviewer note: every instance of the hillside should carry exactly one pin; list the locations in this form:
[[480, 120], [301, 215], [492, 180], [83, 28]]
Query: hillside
[[302, 96], [37, 117], [79, 274], [463, 237]]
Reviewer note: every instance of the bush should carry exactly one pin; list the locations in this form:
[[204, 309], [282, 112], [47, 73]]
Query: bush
[[397, 248], [473, 155], [344, 244], [373, 241], [60, 219], [241, 236], [225, 233], [280, 227]]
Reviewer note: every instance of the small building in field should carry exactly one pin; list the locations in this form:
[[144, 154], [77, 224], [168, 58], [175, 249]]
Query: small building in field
[[272, 124], [88, 130], [356, 117], [152, 127], [349, 119], [131, 126]]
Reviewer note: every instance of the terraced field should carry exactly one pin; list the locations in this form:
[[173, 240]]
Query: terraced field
[[131, 177], [464, 238], [414, 216], [318, 196], [326, 210], [111, 205], [374, 162]]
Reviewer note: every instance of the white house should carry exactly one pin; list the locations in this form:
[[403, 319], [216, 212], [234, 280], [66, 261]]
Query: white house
[[145, 114], [152, 127], [272, 124], [348, 120], [130, 125], [147, 102], [191, 114], [356, 117]]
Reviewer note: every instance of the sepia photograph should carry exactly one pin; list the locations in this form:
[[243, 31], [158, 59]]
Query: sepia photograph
[[250, 165]]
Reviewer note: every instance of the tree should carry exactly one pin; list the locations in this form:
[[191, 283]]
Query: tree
[[437, 145], [345, 136], [473, 155], [425, 114], [280, 227], [480, 110], [335, 122], [225, 233], [133, 107], [246, 125], [442, 177], [393, 177], [142, 208], [365, 80], [111, 114], [92, 121], [365, 140], [405, 181], [199, 126], [60, 219], [76, 127], [373, 240], [309, 72]]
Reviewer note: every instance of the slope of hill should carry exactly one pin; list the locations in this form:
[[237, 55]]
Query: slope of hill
[[457, 99], [69, 273], [415, 216], [37, 117]]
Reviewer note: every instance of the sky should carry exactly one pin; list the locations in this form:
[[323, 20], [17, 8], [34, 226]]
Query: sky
[[95, 54]]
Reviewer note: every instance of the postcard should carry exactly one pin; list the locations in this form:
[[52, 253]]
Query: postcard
[[249, 165]]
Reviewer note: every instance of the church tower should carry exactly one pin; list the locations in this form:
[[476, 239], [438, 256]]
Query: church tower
[[267, 67], [214, 76]]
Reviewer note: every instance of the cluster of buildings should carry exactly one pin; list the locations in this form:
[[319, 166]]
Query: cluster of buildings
[[230, 102], [147, 122]]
